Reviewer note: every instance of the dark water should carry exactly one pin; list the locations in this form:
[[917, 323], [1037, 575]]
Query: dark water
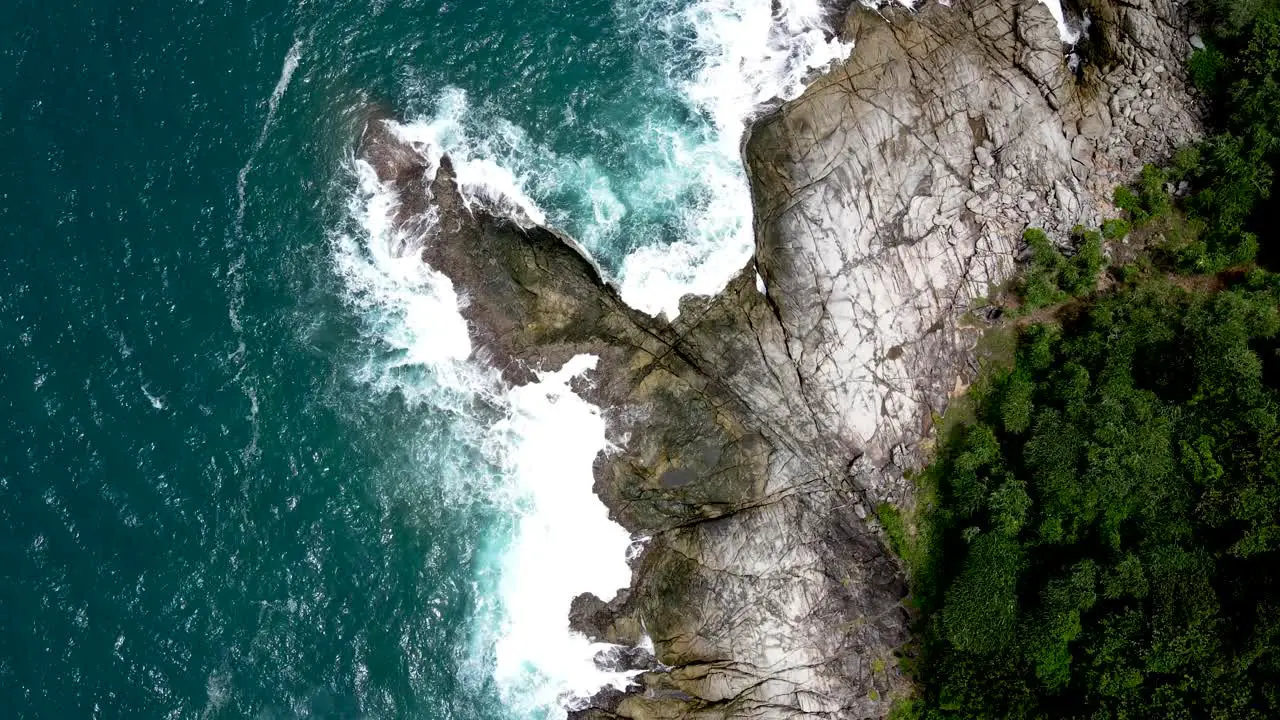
[[207, 505], [201, 513]]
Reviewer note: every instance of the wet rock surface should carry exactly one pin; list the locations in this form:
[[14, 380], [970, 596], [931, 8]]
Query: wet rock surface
[[757, 432]]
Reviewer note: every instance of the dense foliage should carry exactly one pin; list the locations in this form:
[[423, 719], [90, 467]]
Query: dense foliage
[[1105, 537], [1231, 219], [1052, 277], [1100, 538]]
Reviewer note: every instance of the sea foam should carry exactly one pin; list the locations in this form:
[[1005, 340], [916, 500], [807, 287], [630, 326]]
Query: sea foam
[[565, 543], [546, 440], [744, 55], [748, 55], [683, 205]]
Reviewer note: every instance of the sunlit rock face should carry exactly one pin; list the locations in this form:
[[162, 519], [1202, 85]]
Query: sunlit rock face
[[894, 193], [755, 433]]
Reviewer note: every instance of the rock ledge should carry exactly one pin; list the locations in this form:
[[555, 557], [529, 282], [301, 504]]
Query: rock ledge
[[759, 430]]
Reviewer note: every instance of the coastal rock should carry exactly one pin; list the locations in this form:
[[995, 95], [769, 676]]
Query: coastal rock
[[880, 219], [756, 429]]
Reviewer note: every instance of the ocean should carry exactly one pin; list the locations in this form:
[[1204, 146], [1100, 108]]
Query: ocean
[[249, 467]]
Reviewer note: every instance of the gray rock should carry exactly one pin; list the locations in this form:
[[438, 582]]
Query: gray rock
[[766, 587], [1095, 127], [1126, 94], [1082, 149]]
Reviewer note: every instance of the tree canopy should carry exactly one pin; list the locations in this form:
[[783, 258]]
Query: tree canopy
[[1101, 539], [1104, 537], [1232, 171]]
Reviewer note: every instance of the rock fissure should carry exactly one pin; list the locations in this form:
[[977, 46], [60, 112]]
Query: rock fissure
[[755, 434]]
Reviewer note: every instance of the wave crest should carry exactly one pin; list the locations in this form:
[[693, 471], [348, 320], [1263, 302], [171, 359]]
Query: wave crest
[[682, 215]]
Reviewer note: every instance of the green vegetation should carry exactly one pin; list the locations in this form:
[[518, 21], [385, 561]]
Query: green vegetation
[[894, 526], [1205, 67], [1104, 537], [1115, 229], [1099, 533], [1226, 218], [1051, 277]]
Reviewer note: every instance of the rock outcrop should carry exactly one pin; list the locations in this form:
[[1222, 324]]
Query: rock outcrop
[[758, 430], [895, 191]]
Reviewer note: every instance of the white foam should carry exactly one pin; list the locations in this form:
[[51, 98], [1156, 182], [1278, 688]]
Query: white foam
[[754, 55], [417, 307], [485, 181], [235, 277], [1066, 31], [605, 207], [287, 69], [751, 56], [487, 168], [565, 544], [419, 345], [745, 55]]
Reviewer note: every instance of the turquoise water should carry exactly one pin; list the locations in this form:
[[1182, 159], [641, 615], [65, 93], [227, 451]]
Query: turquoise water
[[246, 469]]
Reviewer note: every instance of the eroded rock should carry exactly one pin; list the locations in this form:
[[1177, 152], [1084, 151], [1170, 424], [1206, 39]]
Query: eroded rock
[[756, 430]]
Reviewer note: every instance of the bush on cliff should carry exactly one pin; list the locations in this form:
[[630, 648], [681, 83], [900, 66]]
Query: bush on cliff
[[1230, 174], [1103, 539], [1052, 277]]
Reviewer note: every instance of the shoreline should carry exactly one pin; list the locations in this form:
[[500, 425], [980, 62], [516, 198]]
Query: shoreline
[[756, 433]]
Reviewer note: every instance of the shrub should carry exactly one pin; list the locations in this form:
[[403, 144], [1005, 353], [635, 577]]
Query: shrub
[[1115, 229], [1079, 276], [1231, 171], [1205, 68], [981, 608], [1052, 277], [895, 528], [1127, 200]]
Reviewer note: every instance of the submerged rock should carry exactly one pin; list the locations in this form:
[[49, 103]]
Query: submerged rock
[[756, 429]]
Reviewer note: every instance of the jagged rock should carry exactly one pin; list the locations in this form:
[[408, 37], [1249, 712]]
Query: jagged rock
[[621, 658], [755, 430], [1095, 127]]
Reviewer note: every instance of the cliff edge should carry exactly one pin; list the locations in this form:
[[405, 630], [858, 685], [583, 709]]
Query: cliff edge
[[758, 430]]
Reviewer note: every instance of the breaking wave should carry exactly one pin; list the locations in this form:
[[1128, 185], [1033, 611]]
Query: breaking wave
[[541, 435], [749, 55], [671, 217]]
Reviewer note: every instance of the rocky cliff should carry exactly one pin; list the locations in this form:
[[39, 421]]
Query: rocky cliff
[[758, 429]]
